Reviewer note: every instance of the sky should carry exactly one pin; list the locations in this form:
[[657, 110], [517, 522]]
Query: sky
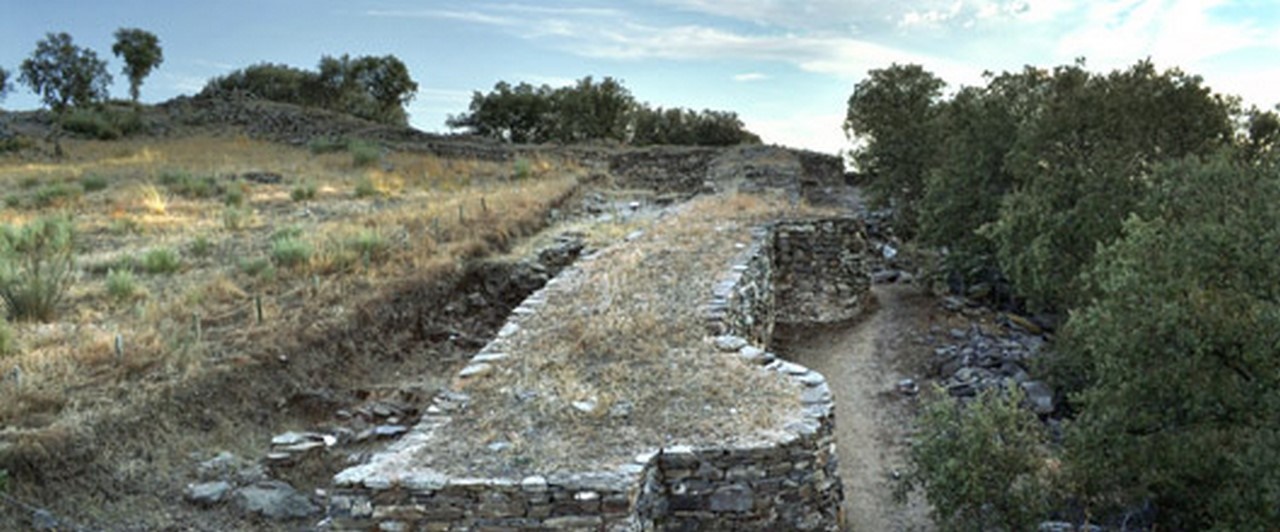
[[786, 67]]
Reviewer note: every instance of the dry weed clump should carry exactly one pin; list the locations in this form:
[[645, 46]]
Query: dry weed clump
[[618, 362]]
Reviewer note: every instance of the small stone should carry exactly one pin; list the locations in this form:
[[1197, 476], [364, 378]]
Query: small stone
[[274, 500], [730, 343], [509, 329], [208, 493], [535, 483], [755, 355], [386, 431], [812, 378], [42, 519], [276, 457], [734, 498], [908, 387], [499, 446], [885, 276], [791, 368], [490, 357], [621, 409], [299, 448], [1039, 396], [634, 235], [952, 303], [290, 438], [588, 406], [475, 370]]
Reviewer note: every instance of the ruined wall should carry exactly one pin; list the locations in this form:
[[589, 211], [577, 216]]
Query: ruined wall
[[784, 480], [683, 170], [821, 274]]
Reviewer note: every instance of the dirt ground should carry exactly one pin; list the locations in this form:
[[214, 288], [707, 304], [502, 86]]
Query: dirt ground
[[863, 362]]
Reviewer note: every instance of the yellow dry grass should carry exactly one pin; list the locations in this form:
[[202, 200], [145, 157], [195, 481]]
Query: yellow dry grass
[[430, 214]]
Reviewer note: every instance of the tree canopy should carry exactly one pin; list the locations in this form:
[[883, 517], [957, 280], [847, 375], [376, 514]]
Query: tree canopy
[[141, 52], [590, 110], [1180, 351], [1083, 163], [5, 84], [893, 113], [64, 74], [1145, 207], [373, 88]]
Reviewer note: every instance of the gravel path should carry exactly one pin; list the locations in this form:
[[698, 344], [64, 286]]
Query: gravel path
[[863, 362]]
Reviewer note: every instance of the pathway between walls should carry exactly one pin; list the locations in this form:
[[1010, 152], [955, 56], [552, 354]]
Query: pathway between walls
[[863, 361]]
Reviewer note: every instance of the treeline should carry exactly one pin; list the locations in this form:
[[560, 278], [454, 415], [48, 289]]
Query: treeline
[[369, 87], [1146, 208], [589, 111], [65, 75]]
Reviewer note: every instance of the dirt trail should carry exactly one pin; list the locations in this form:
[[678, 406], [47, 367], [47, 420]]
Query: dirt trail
[[863, 361]]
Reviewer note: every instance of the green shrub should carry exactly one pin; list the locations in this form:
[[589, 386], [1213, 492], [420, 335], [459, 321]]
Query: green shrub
[[366, 188], [235, 218], [291, 252], [304, 191], [161, 261], [103, 123], [320, 145], [981, 464], [29, 182], [256, 267], [369, 245], [201, 246], [125, 225], [12, 201], [1177, 352], [286, 233], [8, 343], [37, 265], [522, 168], [122, 286], [56, 195], [364, 153], [234, 197], [189, 186], [93, 183], [16, 143]]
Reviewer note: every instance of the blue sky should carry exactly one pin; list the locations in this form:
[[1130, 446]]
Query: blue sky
[[786, 67]]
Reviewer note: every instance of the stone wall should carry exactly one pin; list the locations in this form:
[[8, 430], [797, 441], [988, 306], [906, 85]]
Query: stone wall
[[821, 273], [784, 480], [686, 170]]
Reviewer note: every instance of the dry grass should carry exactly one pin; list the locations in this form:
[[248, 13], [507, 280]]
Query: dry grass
[[626, 335], [432, 214]]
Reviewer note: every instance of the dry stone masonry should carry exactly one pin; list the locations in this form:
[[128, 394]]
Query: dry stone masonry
[[784, 480], [821, 271]]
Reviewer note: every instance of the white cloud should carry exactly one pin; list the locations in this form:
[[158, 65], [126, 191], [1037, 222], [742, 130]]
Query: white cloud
[[184, 83], [475, 17], [843, 39], [818, 132], [448, 96]]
